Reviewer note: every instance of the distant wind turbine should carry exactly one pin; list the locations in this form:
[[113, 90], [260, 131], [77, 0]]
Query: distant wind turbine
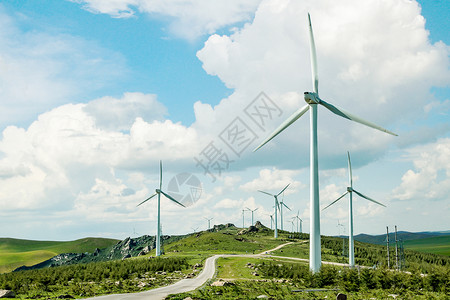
[[159, 192], [312, 99], [243, 217], [299, 229], [194, 229], [281, 211], [350, 190], [277, 206], [209, 222], [271, 221], [252, 210]]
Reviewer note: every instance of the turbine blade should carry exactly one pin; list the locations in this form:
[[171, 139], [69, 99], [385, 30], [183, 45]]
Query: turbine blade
[[370, 199], [312, 45], [160, 174], [349, 116], [336, 200], [256, 209], [266, 193], [285, 205], [170, 197], [285, 125], [350, 170], [283, 189], [146, 199]]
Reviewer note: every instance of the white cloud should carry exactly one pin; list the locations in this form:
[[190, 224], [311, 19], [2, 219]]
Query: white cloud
[[187, 18], [430, 177], [374, 59], [273, 181], [72, 153], [120, 114]]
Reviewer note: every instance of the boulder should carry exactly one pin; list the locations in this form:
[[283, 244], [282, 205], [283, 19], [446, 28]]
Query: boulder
[[341, 296], [7, 294]]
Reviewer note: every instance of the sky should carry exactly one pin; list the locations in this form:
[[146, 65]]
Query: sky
[[95, 93]]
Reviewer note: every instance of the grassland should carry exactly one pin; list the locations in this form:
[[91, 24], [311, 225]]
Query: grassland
[[436, 245], [15, 252], [248, 277]]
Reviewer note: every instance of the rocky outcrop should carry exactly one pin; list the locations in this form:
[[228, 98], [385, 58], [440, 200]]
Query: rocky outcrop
[[122, 250], [7, 294], [220, 227]]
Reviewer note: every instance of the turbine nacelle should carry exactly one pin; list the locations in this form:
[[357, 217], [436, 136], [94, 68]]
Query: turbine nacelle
[[312, 98], [158, 191], [349, 189]]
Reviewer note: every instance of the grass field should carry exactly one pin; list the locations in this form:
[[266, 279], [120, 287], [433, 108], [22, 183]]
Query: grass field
[[436, 245], [15, 253]]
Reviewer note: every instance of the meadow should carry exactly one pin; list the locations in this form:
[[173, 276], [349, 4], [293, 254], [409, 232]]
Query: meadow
[[437, 245], [15, 252], [246, 277]]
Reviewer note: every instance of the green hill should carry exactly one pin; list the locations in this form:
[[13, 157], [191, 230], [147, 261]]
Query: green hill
[[15, 252], [436, 245]]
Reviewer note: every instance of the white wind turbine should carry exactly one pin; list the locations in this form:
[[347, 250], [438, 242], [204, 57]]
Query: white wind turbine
[[281, 211], [252, 210], [312, 99], [277, 206], [350, 191], [271, 221], [159, 192], [209, 222], [299, 229]]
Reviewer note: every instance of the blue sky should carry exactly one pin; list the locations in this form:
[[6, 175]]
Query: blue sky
[[93, 94]]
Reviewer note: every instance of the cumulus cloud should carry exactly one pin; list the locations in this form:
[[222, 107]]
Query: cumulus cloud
[[430, 177], [274, 181], [374, 59], [187, 18], [72, 152]]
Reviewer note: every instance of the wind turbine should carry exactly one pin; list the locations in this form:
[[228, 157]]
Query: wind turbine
[[252, 213], [209, 222], [277, 206], [194, 229], [299, 229], [159, 192], [350, 190], [281, 211], [312, 99], [271, 221], [243, 217]]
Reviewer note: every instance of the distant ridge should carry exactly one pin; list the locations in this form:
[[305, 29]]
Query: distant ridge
[[401, 235]]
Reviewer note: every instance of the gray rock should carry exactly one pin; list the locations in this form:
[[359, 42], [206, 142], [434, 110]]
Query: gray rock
[[341, 296], [7, 294]]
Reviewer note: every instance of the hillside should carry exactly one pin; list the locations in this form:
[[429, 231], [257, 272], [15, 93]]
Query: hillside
[[401, 235], [16, 252], [437, 245]]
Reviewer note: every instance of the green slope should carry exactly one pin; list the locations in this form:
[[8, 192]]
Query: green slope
[[15, 252], [436, 245]]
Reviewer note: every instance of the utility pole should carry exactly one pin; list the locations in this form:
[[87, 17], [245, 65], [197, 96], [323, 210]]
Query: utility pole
[[396, 249], [387, 239]]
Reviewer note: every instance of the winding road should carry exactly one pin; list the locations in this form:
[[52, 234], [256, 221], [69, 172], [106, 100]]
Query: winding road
[[186, 285]]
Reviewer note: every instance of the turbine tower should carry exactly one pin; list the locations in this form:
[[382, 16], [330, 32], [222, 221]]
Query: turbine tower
[[277, 206], [209, 222], [243, 217], [271, 221], [159, 192], [299, 229], [281, 211], [350, 191], [252, 213], [312, 99]]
